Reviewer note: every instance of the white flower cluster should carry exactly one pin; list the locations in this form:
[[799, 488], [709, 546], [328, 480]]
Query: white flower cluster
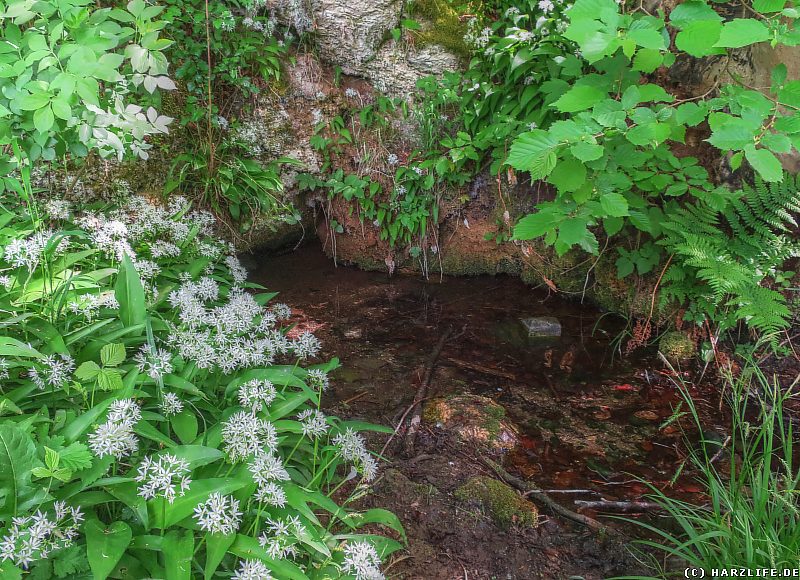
[[279, 538], [90, 304], [362, 561], [252, 570], [257, 395], [353, 448], [153, 361], [318, 379], [115, 437], [244, 435], [29, 251], [474, 37], [4, 366], [267, 469], [314, 423], [171, 405], [57, 209], [158, 477], [219, 514], [34, 537], [55, 372]]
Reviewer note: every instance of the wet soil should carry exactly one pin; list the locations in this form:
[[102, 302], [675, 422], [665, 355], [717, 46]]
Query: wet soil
[[585, 424]]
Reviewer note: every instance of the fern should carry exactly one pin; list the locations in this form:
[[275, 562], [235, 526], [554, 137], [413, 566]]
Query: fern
[[724, 260]]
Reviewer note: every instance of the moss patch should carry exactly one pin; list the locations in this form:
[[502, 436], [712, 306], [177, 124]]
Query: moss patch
[[501, 502], [677, 347], [445, 28]]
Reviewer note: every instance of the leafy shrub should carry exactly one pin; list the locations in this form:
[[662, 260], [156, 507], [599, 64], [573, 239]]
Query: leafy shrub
[[159, 420]]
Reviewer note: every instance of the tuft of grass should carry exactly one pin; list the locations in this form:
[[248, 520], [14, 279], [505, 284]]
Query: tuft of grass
[[752, 517]]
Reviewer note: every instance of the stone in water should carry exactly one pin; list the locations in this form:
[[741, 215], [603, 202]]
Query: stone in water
[[541, 326]]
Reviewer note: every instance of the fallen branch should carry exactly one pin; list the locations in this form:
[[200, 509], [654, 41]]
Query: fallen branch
[[537, 494], [618, 506], [422, 393], [481, 369]]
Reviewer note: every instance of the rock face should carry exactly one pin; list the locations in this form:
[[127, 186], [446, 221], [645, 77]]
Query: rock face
[[356, 35]]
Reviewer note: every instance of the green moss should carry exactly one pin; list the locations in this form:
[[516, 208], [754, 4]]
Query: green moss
[[494, 415], [505, 505], [445, 29], [677, 347]]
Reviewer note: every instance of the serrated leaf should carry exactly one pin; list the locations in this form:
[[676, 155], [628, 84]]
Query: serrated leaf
[[76, 456], [110, 380], [647, 60], [587, 151], [734, 134], [535, 152], [579, 98], [614, 204], [43, 119], [87, 371], [609, 113], [568, 175], [698, 38], [741, 32], [536, 224], [112, 355], [767, 6], [692, 11]]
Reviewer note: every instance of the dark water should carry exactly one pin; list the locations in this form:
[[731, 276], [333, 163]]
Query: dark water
[[586, 418]]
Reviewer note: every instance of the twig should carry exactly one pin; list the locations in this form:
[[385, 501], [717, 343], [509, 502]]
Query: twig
[[618, 506], [538, 495], [481, 369], [718, 454], [422, 392]]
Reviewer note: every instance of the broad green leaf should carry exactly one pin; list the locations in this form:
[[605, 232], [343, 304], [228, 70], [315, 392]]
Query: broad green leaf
[[17, 460], [614, 204], [13, 347], [767, 6], [217, 546], [579, 98], [741, 32], [197, 493], [185, 426], [568, 175], [647, 38], [647, 60], [249, 548], [43, 119], [130, 294], [587, 151], [536, 224], [765, 163], [112, 355], [733, 134], [699, 38], [535, 152], [178, 548], [105, 546], [87, 371], [692, 11]]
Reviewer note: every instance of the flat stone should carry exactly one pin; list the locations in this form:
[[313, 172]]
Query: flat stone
[[542, 326]]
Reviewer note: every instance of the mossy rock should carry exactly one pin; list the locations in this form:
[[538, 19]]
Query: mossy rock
[[500, 501], [677, 347], [445, 28], [474, 419]]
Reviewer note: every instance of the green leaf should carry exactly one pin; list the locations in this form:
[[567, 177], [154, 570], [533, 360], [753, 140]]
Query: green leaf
[[105, 546], [87, 371], [534, 152], [129, 293], [110, 380], [568, 175], [609, 113], [765, 163], [734, 134], [789, 94], [178, 548], [647, 60], [537, 224], [112, 355], [587, 151], [574, 231], [692, 11], [43, 119], [699, 38], [185, 426], [197, 493], [579, 98], [614, 204], [741, 32], [647, 38], [767, 6], [17, 459], [216, 547], [76, 457]]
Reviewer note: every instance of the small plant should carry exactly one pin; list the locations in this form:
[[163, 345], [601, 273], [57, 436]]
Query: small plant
[[752, 517]]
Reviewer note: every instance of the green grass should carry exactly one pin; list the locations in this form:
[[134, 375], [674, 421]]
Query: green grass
[[752, 517]]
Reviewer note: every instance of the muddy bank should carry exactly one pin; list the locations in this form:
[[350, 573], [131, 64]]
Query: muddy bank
[[561, 412]]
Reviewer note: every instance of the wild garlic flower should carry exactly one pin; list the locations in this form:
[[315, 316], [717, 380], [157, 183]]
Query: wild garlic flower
[[171, 405], [306, 346], [124, 411], [351, 93], [257, 395], [267, 467], [272, 494], [252, 570], [56, 371], [238, 272], [314, 423], [90, 304], [546, 6], [34, 537], [362, 561], [4, 366], [57, 209], [6, 282], [353, 448], [153, 361], [28, 251], [280, 536], [162, 249], [281, 311], [111, 237], [392, 159], [318, 379], [158, 477], [219, 514], [244, 435], [115, 439]]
